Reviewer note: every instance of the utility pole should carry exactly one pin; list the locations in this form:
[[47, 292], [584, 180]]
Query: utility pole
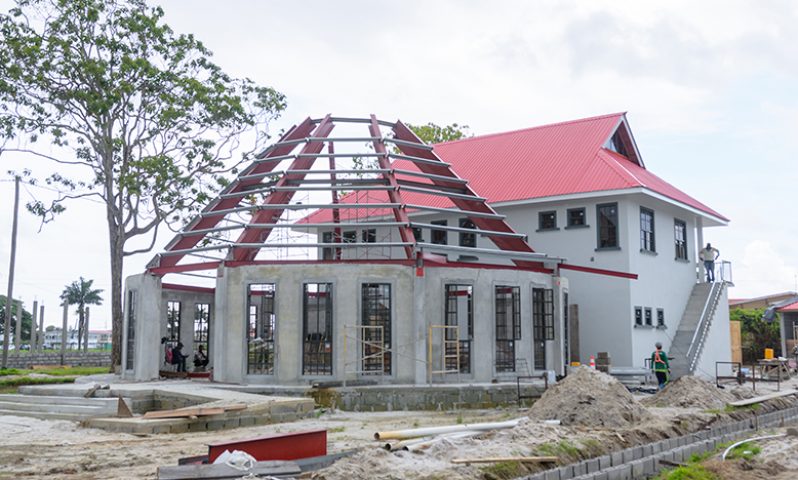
[[10, 296], [34, 328], [18, 330]]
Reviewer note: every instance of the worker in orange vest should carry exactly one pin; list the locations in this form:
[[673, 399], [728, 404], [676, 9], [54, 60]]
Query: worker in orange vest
[[660, 365]]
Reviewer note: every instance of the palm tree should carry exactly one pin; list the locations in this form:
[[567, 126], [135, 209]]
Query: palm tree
[[81, 294]]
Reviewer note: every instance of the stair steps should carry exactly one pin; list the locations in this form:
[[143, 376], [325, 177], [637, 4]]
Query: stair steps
[[57, 408]]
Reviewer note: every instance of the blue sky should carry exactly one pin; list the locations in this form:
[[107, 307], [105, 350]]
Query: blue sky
[[710, 88]]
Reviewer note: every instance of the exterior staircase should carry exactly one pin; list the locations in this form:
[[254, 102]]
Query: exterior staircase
[[57, 407], [688, 343]]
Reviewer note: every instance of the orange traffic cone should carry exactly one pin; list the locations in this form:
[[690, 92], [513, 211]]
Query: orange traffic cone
[[592, 362]]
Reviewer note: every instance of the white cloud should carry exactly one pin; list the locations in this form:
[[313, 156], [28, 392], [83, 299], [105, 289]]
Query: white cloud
[[763, 270]]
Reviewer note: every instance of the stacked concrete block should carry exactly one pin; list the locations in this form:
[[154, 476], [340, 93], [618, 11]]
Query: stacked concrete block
[[603, 362]]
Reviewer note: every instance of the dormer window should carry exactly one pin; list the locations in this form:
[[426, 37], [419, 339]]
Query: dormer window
[[617, 144]]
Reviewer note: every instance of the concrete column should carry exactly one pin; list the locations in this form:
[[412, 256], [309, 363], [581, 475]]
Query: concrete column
[[64, 332], [420, 330], [86, 330], [18, 330], [483, 345], [41, 328], [34, 325], [699, 228], [147, 312]]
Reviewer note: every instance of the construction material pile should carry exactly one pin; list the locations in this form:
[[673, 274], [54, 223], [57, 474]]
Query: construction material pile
[[690, 392], [590, 398]]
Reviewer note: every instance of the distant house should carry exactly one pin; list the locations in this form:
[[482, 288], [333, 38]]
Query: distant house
[[97, 339], [764, 301]]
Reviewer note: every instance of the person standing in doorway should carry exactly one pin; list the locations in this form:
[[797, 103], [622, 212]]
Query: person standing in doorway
[[709, 255], [660, 365]]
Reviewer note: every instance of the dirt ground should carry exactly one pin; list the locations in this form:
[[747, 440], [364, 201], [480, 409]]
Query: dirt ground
[[31, 448]]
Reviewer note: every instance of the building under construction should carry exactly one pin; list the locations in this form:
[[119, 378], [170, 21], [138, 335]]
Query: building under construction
[[322, 261]]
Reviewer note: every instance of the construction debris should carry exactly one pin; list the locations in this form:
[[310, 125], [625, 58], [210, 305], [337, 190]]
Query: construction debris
[[590, 398], [763, 398], [221, 471], [432, 431], [189, 412]]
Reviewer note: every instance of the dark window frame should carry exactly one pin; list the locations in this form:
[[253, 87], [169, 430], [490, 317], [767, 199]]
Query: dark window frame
[[317, 347], [648, 241], [261, 328], [437, 236], [349, 236], [418, 234], [467, 239], [660, 317], [638, 316], [542, 323], [648, 317], [569, 219], [374, 312], [543, 221], [202, 326], [508, 330], [451, 318], [173, 320], [327, 252], [680, 239], [369, 235], [607, 233]]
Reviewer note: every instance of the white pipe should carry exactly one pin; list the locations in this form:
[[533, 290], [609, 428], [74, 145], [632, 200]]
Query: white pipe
[[423, 432], [731, 447], [426, 444]]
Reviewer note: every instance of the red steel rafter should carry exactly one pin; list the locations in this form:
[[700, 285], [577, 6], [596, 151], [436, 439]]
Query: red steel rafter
[[186, 240], [260, 234], [393, 195]]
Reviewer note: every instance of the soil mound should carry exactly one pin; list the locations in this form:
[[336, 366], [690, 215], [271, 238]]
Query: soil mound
[[690, 391], [589, 398]]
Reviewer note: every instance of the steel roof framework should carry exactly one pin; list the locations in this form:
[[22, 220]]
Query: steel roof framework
[[279, 187]]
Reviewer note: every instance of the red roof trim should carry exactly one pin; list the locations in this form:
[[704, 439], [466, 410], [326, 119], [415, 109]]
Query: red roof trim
[[793, 307]]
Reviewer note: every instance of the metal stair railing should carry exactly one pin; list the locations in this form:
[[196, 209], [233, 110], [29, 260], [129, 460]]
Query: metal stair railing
[[702, 329]]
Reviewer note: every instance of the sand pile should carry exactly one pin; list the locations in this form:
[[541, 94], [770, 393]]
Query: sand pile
[[590, 398], [689, 391]]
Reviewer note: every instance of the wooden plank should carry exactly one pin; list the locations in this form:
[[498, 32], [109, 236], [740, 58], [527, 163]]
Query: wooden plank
[[763, 398], [194, 411], [221, 471], [506, 459]]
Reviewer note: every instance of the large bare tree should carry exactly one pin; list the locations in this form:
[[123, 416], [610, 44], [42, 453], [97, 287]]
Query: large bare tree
[[140, 116]]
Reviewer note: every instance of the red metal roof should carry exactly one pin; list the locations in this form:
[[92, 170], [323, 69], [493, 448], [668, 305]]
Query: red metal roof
[[793, 307], [539, 162]]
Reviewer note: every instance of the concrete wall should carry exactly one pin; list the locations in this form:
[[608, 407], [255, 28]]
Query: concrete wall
[[53, 357], [148, 310], [718, 343], [418, 302]]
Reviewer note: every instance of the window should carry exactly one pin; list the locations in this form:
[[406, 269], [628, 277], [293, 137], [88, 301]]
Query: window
[[438, 237], [370, 235], [467, 239], [660, 317], [202, 322], [648, 316], [547, 220], [418, 234], [680, 239], [350, 236], [261, 327], [327, 252], [131, 329], [647, 230], [508, 326], [576, 217], [607, 215], [317, 329], [459, 312], [376, 328], [542, 323], [173, 321], [639, 316]]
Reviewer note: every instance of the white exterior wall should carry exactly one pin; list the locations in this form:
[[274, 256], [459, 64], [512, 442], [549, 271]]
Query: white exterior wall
[[718, 343]]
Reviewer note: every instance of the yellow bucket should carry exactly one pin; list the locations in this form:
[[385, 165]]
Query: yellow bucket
[[768, 354]]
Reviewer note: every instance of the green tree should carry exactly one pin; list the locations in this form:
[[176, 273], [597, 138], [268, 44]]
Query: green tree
[[432, 133], [27, 320], [81, 294], [757, 334], [140, 117]]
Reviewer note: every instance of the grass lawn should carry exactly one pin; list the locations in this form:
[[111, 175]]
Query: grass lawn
[[55, 371]]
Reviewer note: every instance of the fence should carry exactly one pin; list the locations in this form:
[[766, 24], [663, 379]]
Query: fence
[[90, 359]]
